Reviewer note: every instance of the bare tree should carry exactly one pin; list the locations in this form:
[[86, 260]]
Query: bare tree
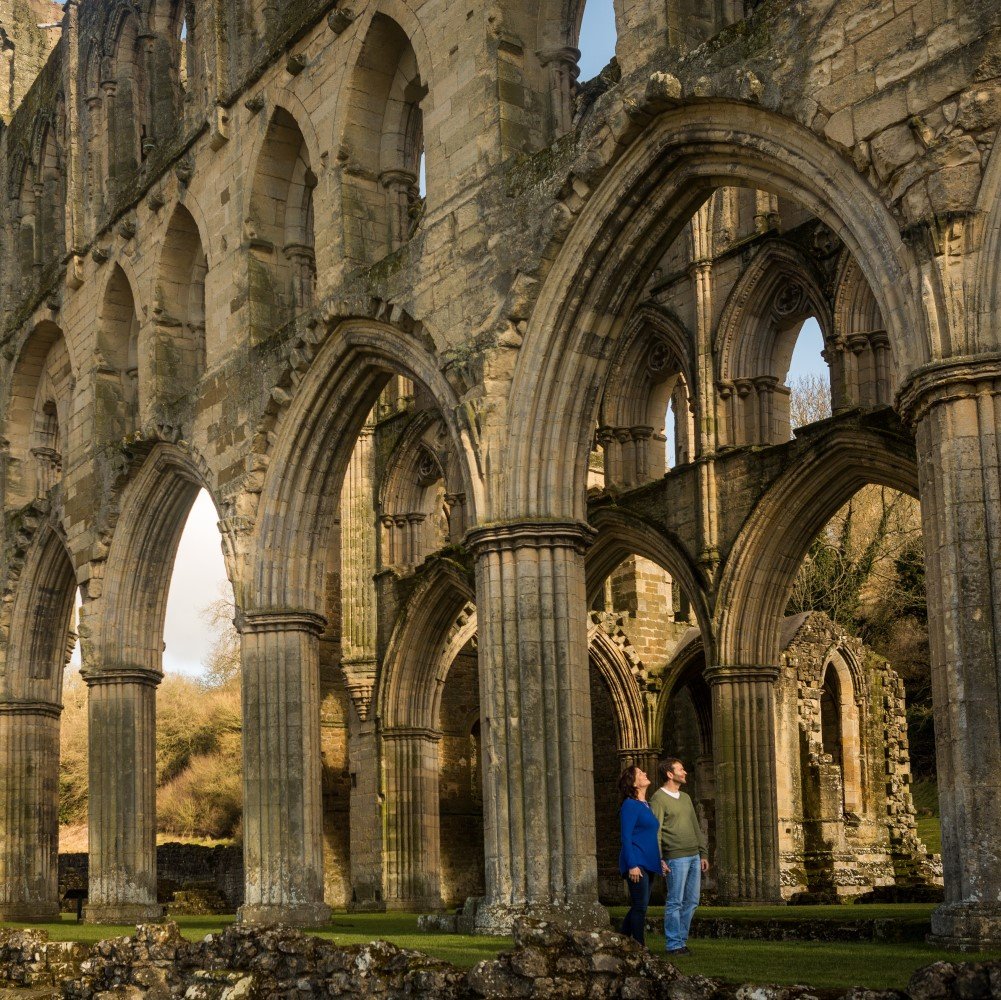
[[809, 400]]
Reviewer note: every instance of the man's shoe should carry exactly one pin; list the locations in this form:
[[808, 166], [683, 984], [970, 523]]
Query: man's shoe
[[679, 951]]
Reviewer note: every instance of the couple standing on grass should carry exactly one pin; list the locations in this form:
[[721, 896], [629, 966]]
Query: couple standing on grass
[[662, 836]]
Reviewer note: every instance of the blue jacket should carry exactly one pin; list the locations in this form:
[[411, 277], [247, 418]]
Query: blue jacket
[[640, 837]]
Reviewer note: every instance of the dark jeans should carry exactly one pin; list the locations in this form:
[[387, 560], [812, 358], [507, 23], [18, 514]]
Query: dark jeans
[[634, 922]]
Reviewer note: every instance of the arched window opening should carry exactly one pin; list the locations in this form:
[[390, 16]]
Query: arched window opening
[[596, 39], [96, 134], [809, 377], [830, 716], [679, 426], [179, 309], [420, 504], [116, 408], [41, 393], [280, 228], [199, 760], [49, 188], [774, 318], [862, 366], [646, 384], [127, 105], [384, 145], [28, 209]]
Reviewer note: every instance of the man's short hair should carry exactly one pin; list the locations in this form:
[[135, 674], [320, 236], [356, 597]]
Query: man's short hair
[[666, 768]]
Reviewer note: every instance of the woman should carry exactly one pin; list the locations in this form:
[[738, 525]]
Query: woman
[[639, 859]]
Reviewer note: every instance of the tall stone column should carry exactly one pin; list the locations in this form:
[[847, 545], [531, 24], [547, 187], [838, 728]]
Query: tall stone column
[[365, 817], [413, 834], [747, 847], [955, 408], [122, 798], [283, 801], [29, 811], [535, 702]]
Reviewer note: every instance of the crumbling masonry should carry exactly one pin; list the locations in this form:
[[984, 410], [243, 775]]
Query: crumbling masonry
[[434, 427]]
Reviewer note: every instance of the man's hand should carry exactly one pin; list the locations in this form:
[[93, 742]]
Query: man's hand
[[705, 865], [665, 869], [635, 874]]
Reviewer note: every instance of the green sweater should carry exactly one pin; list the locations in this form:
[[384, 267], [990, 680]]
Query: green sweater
[[680, 833]]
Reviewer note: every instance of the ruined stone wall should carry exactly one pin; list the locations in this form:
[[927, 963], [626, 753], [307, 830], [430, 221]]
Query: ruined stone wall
[[29, 30], [210, 275]]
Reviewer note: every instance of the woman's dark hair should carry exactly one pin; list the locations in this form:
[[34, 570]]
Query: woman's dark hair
[[627, 784]]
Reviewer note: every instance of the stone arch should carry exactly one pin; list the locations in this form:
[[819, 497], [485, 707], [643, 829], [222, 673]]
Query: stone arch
[[95, 127], [22, 180], [51, 201], [40, 631], [383, 143], [153, 511], [643, 203], [622, 534], [40, 398], [437, 622], [617, 675], [280, 226], [862, 366], [164, 56], [117, 384], [314, 440], [424, 642], [413, 499], [755, 338], [30, 702], [757, 576], [126, 100], [842, 678], [686, 669], [179, 309], [654, 367]]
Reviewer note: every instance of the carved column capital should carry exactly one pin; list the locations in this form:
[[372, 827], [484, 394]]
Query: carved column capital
[[280, 620], [100, 676], [44, 708], [512, 535], [731, 673], [944, 381]]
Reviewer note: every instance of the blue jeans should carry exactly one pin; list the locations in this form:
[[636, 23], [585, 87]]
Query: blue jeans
[[634, 922], [683, 885]]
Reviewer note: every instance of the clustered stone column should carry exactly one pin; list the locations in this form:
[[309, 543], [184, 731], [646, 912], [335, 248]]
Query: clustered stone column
[[747, 849], [413, 838], [359, 663], [122, 802], [283, 805], [29, 811], [955, 408], [535, 704]]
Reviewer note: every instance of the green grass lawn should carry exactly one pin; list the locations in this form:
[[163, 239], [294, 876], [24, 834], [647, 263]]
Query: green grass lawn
[[824, 965], [925, 794]]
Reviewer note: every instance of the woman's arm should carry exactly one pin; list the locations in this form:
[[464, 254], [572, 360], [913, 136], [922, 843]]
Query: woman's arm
[[628, 815]]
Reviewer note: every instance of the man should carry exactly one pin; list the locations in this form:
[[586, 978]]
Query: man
[[683, 847]]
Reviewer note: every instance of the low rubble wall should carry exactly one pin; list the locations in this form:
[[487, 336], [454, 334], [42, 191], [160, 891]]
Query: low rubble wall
[[547, 962]]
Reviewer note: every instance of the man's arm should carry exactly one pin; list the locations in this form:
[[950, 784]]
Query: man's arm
[[659, 810]]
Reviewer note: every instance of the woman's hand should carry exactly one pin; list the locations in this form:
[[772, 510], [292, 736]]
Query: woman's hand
[[665, 868], [635, 874]]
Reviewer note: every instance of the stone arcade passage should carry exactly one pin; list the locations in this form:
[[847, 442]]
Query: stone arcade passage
[[472, 580]]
